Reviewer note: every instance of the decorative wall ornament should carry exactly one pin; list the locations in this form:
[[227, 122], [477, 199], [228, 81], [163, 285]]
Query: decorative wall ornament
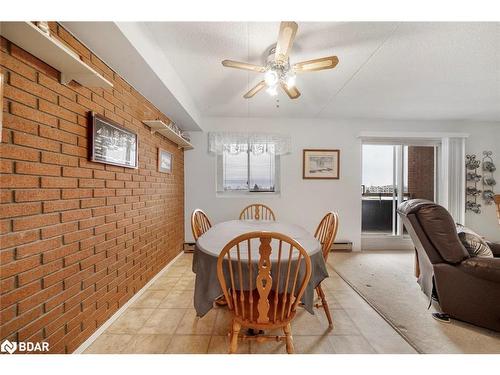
[[488, 179], [473, 178], [474, 207], [497, 202], [257, 143]]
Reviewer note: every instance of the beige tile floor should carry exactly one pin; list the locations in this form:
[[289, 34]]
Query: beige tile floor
[[163, 320]]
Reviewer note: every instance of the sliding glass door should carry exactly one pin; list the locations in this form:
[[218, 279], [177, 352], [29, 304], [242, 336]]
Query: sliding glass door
[[391, 174]]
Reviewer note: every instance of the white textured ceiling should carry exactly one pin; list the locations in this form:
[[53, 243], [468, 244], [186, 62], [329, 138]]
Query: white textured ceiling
[[386, 70]]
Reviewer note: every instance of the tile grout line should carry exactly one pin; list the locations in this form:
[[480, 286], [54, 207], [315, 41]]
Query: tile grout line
[[393, 326], [353, 322], [117, 314]]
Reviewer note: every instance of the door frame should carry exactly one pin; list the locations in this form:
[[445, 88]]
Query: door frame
[[449, 189]]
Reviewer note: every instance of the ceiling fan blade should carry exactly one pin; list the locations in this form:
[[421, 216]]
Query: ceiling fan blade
[[244, 66], [285, 40], [254, 90], [329, 62], [292, 92]]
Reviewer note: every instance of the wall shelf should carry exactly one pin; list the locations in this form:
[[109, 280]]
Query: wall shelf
[[53, 52], [162, 128]]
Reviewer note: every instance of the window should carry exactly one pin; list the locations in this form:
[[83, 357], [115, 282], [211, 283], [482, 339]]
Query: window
[[241, 169], [392, 174]]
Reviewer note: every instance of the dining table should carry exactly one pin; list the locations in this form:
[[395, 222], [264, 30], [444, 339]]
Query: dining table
[[210, 244]]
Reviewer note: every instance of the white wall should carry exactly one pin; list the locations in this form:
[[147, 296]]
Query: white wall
[[305, 201]]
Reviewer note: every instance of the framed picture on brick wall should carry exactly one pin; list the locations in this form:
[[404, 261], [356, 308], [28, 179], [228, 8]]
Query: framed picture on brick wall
[[111, 143], [165, 160]]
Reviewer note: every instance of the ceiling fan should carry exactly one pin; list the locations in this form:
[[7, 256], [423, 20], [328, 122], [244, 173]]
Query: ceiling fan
[[278, 72]]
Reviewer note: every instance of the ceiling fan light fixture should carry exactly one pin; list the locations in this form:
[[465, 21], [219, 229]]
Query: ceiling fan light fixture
[[271, 77], [291, 79], [272, 90], [278, 73]]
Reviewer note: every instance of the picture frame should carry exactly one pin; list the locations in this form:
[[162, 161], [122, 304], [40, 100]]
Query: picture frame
[[111, 143], [320, 164], [165, 161]]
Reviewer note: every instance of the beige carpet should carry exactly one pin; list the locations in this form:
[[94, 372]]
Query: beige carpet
[[386, 281]]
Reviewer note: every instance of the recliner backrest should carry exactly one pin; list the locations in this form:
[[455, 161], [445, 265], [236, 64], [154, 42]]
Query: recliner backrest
[[438, 227]]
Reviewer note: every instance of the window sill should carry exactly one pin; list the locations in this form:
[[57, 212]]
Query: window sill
[[246, 194]]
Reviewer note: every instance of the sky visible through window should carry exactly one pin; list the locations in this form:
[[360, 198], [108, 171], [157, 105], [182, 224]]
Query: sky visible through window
[[377, 165], [235, 171]]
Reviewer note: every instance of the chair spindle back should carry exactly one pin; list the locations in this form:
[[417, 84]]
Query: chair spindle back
[[271, 295], [257, 211], [327, 231], [199, 223]]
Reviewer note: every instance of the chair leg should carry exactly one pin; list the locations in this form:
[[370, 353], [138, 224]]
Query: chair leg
[[289, 339], [324, 302], [233, 345]]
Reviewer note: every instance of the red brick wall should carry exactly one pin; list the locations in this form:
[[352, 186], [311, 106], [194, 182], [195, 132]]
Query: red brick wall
[[77, 238], [421, 172]]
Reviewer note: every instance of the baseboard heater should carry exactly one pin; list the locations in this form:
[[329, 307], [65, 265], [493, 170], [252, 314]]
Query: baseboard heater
[[342, 246], [188, 247], [337, 246]]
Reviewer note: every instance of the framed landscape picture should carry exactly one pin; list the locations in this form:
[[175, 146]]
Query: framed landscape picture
[[110, 143], [165, 160], [321, 164]]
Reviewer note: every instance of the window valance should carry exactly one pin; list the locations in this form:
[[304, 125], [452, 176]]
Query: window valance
[[236, 142]]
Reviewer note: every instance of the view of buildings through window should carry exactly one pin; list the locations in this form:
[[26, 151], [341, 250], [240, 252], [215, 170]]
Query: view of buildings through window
[[378, 169], [248, 170]]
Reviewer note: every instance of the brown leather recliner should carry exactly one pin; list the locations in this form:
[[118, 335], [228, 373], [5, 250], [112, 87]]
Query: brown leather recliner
[[467, 288]]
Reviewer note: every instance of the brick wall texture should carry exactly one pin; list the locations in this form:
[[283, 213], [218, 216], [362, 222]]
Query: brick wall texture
[[421, 172], [77, 239]]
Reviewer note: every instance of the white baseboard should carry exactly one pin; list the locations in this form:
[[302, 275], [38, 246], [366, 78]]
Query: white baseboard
[[386, 243], [122, 309]]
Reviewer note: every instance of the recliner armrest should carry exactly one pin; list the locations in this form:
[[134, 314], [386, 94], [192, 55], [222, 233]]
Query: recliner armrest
[[483, 268], [495, 248]]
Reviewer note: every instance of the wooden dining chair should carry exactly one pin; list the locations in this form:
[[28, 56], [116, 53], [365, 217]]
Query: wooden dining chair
[[200, 223], [257, 211], [325, 234], [267, 299]]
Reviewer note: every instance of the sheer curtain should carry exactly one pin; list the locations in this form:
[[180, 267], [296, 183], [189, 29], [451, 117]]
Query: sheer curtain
[[257, 143]]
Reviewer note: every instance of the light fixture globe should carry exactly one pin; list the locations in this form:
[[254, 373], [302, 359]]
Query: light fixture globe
[[291, 78], [272, 90], [271, 77]]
